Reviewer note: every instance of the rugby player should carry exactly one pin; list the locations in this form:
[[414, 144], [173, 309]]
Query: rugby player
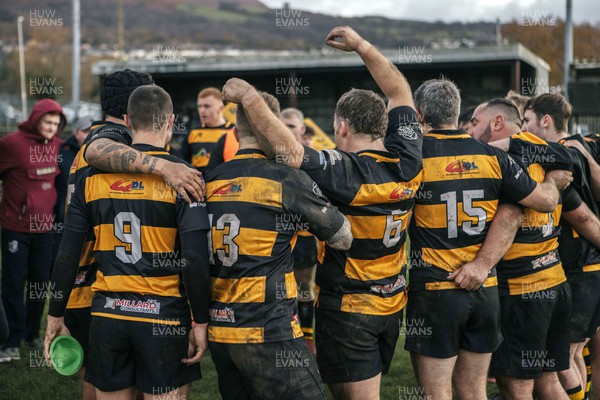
[[255, 338], [372, 178], [546, 116], [464, 180], [305, 250], [116, 89], [535, 300], [214, 136], [137, 219]]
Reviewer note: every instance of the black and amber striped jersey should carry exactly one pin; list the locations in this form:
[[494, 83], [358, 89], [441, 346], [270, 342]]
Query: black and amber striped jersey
[[593, 142], [256, 208], [82, 294], [533, 263], [201, 142], [136, 220], [463, 182], [375, 190], [577, 253]]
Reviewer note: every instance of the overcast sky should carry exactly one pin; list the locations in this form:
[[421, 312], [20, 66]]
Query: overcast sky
[[447, 10]]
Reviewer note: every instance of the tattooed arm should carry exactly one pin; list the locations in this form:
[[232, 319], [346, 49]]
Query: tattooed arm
[[108, 155]]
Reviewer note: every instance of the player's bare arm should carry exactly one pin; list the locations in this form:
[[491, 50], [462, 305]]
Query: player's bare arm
[[594, 167], [498, 240], [389, 79], [545, 196], [273, 136], [112, 156], [342, 239], [585, 222]]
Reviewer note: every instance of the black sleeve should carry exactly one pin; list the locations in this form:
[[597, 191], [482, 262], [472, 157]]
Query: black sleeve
[[302, 196], [193, 226], [404, 137], [551, 156], [67, 260], [516, 182], [331, 170], [594, 148], [570, 199], [196, 272], [216, 157]]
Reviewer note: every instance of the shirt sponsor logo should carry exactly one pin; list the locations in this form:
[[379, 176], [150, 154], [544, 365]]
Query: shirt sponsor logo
[[545, 260], [409, 132], [224, 315], [227, 189], [80, 278], [401, 193], [390, 288], [13, 246], [127, 185], [144, 307], [461, 167]]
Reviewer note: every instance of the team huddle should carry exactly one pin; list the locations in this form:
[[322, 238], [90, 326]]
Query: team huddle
[[481, 245]]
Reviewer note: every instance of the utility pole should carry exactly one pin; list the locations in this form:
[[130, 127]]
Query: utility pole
[[76, 56], [22, 67]]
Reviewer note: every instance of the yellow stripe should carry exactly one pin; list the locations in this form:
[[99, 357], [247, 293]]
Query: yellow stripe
[[251, 242], [247, 156], [529, 137], [379, 268], [541, 280], [453, 136], [451, 285], [246, 189], [138, 319], [305, 234], [158, 152], [434, 216], [78, 162], [461, 167], [87, 254], [250, 289], [321, 251], [158, 286], [364, 303], [591, 268], [380, 158], [121, 186], [382, 193], [450, 259], [291, 287], [154, 239], [206, 135], [80, 297], [223, 334], [373, 227], [534, 219], [518, 250]]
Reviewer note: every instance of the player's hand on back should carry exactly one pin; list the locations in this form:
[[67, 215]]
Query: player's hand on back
[[561, 178], [198, 344], [470, 276], [345, 38], [55, 327], [235, 89], [184, 180]]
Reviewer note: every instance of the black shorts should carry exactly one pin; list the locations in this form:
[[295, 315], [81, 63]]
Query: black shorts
[[585, 315], [275, 370], [441, 322], [78, 320], [354, 347], [305, 252], [535, 328], [142, 354]]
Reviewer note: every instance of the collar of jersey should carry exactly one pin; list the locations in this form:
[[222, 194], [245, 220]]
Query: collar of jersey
[[226, 125], [448, 134], [146, 148], [249, 153]]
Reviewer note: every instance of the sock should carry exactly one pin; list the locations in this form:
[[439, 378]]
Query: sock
[[306, 312], [588, 369], [576, 393]]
